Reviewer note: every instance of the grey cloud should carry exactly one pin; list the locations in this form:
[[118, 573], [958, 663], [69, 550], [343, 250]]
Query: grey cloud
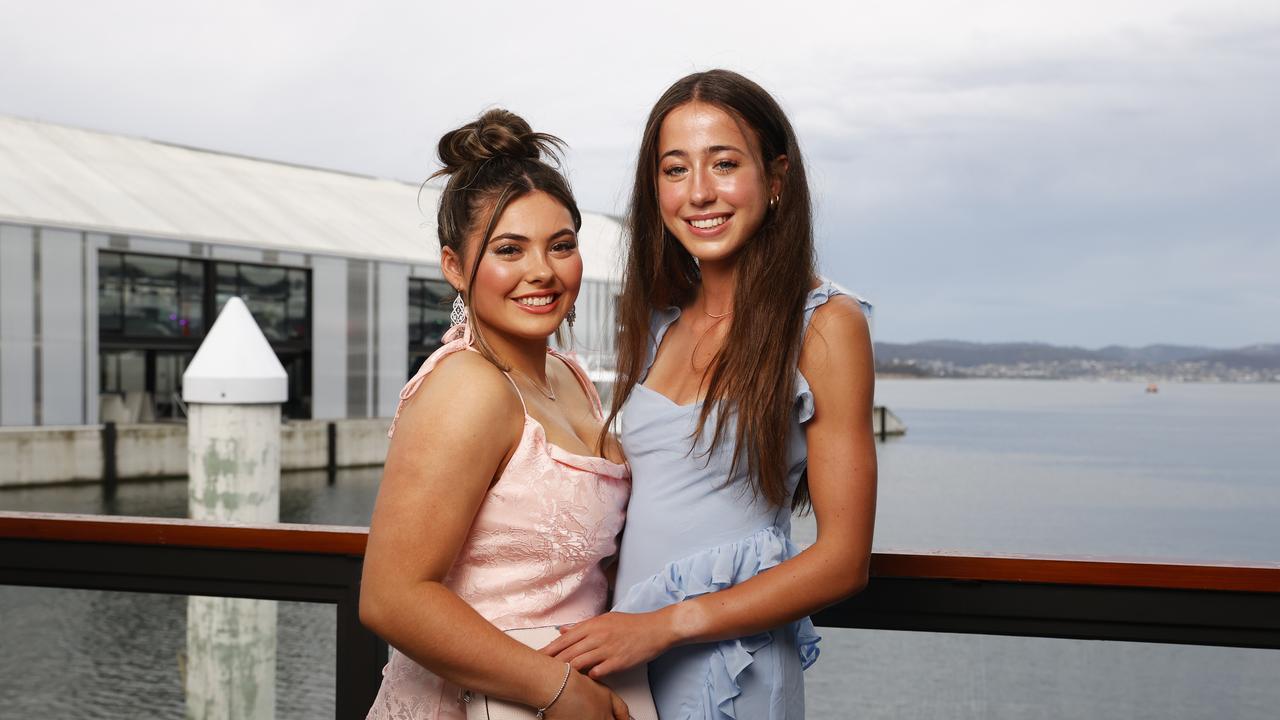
[[1114, 184]]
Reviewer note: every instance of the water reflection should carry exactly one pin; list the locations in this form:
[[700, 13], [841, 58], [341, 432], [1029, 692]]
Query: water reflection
[[305, 497], [92, 654]]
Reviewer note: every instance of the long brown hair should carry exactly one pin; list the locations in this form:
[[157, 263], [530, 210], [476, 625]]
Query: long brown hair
[[753, 376], [490, 162]]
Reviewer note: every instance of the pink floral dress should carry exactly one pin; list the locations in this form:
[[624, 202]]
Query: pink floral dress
[[534, 554]]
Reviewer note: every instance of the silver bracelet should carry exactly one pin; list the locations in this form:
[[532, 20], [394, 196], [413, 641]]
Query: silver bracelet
[[542, 712]]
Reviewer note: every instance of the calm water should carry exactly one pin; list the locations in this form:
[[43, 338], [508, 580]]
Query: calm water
[[1081, 468], [998, 466]]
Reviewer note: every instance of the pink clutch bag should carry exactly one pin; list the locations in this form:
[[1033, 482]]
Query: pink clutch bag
[[630, 685]]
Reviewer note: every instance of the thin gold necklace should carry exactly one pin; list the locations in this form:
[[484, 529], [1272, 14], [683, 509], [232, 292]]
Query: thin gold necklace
[[713, 316], [549, 393], [703, 336]]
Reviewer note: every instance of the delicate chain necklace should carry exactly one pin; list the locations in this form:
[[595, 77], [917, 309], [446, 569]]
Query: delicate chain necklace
[[703, 336], [548, 392], [713, 316]]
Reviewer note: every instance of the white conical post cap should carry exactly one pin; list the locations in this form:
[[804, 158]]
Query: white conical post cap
[[235, 364]]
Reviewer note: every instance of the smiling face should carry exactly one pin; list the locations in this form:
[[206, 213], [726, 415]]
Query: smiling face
[[713, 190], [531, 271]]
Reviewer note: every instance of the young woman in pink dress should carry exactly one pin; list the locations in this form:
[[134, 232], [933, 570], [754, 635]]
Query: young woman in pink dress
[[495, 512]]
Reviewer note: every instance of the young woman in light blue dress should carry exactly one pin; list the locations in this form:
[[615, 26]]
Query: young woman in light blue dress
[[744, 392]]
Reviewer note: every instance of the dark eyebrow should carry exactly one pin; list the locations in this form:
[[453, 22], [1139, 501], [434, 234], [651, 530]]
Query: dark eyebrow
[[521, 238], [711, 151]]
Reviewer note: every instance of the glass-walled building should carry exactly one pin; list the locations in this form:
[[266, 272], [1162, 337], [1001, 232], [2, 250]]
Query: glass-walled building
[[116, 254], [154, 311], [430, 303]]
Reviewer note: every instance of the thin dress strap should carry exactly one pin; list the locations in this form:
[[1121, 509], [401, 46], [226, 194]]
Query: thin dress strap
[[518, 393], [587, 386], [660, 322], [454, 339]]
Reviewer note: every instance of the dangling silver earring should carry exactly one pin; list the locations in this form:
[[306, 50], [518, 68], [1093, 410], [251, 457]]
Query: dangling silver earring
[[458, 315], [572, 316]]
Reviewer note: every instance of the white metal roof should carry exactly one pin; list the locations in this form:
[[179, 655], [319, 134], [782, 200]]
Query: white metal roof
[[69, 177]]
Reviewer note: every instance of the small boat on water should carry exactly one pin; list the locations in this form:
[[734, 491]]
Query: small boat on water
[[1152, 388]]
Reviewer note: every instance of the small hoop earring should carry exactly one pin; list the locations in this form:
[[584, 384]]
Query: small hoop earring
[[572, 317], [773, 201], [458, 316]]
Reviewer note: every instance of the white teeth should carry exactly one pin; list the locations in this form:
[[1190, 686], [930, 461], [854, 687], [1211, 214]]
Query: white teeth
[[538, 301], [708, 224]]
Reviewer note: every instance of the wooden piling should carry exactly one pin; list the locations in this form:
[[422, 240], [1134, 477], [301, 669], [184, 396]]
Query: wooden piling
[[110, 469]]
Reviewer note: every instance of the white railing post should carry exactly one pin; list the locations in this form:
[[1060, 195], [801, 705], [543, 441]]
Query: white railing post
[[233, 388]]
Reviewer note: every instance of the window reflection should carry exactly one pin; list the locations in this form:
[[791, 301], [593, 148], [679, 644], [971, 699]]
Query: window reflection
[[297, 305], [228, 284], [169, 367], [266, 291], [277, 297], [429, 307], [123, 371], [153, 312], [110, 292], [150, 296], [191, 303]]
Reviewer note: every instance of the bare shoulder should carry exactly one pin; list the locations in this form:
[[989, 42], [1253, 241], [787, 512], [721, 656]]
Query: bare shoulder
[[469, 391], [839, 308], [838, 329]]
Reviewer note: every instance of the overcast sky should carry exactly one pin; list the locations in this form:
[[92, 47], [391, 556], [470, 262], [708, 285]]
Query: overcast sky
[[1072, 172]]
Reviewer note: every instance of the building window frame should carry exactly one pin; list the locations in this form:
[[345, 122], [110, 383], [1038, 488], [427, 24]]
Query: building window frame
[[117, 338], [429, 301]]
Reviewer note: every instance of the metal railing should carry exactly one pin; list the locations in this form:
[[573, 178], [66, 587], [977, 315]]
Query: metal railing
[[304, 563], [1195, 604]]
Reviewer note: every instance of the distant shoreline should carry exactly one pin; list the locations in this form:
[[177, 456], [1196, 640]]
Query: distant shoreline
[[1040, 361], [1081, 378]]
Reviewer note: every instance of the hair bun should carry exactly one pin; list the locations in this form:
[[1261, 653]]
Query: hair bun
[[498, 133]]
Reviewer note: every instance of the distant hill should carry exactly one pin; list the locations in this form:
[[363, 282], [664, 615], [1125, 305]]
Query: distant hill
[[949, 358], [1257, 357], [969, 354], [1153, 353]]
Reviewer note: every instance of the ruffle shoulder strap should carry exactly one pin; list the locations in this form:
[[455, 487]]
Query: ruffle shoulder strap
[[455, 338], [816, 299]]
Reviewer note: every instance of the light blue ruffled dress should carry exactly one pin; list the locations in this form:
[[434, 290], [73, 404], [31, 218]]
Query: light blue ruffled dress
[[689, 533]]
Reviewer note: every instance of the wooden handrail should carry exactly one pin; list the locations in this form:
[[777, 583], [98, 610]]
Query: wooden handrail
[[1080, 571], [350, 541], [121, 530]]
